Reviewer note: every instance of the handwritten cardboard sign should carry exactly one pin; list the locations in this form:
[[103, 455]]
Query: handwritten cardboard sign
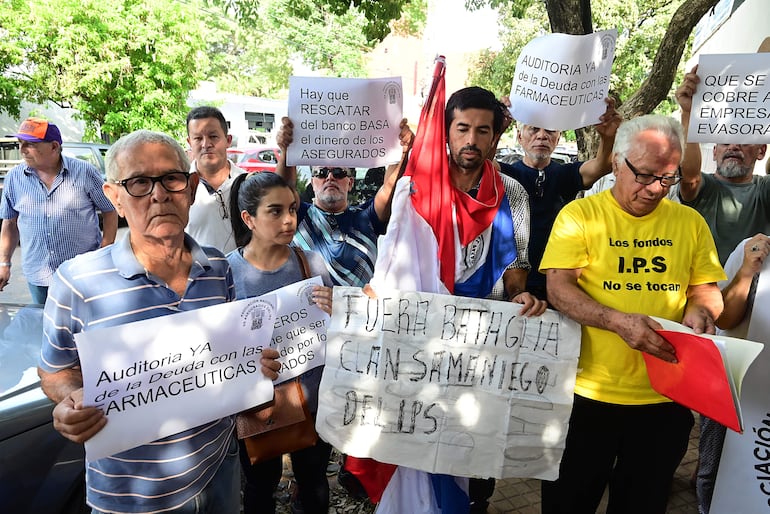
[[561, 80], [161, 376], [448, 384], [345, 122], [730, 104]]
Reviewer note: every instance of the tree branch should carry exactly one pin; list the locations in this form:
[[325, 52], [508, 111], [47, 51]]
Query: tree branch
[[657, 85]]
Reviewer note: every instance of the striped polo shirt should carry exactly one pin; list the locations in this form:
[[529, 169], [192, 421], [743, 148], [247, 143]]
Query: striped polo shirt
[[110, 287], [54, 224], [347, 240]]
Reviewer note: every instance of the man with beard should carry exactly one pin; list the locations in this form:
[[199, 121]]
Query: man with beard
[[346, 235], [736, 205], [551, 185]]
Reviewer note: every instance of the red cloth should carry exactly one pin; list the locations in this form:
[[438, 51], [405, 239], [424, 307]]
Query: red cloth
[[373, 475], [434, 196]]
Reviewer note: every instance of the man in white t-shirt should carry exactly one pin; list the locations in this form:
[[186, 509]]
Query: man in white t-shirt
[[210, 215]]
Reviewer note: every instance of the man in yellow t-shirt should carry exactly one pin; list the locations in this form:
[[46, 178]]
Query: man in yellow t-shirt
[[612, 261]]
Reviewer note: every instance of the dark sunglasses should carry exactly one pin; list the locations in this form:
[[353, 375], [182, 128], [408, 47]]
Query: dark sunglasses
[[337, 173]]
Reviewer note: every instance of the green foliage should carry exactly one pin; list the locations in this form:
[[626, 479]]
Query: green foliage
[[640, 24], [377, 14], [496, 68], [122, 65], [413, 19], [334, 43]]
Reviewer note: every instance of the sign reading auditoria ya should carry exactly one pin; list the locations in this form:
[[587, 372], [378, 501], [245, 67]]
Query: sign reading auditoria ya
[[345, 122], [161, 376], [730, 104], [561, 80], [448, 384]]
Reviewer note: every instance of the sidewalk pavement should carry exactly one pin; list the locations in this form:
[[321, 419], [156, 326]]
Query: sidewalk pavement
[[512, 495]]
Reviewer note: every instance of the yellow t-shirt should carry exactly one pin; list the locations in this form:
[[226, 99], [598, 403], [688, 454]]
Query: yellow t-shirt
[[632, 264]]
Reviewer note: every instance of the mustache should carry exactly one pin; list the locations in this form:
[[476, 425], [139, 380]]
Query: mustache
[[737, 155], [470, 148]]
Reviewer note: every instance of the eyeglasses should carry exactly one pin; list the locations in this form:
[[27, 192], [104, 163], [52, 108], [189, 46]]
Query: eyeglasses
[[647, 179], [222, 205], [337, 173], [172, 182], [539, 183]]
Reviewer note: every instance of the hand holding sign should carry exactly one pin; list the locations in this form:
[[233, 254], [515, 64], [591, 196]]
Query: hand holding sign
[[561, 80], [344, 122]]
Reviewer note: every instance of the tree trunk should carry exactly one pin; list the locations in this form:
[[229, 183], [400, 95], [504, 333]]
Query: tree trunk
[[573, 17]]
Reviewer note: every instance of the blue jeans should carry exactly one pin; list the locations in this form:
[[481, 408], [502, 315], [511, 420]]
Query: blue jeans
[[222, 495], [39, 293]]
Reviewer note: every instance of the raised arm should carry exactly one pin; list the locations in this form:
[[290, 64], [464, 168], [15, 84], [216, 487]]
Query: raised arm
[[736, 293], [637, 330], [691, 162], [284, 138], [384, 196], [593, 169]]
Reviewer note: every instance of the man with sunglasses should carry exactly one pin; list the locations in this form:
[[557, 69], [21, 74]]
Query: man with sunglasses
[[736, 204], [210, 214], [155, 270], [50, 203], [612, 261], [345, 235], [550, 184]]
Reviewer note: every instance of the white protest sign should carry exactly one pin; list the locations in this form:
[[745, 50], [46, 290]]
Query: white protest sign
[[730, 102], [299, 335], [161, 376], [561, 80], [345, 122], [448, 384], [743, 480]]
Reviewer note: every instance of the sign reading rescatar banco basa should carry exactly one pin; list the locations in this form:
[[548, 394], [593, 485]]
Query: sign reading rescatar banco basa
[[448, 384], [732, 99], [345, 122]]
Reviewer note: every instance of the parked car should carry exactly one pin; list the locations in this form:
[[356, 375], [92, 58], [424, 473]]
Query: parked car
[[90, 152], [40, 470], [93, 153], [255, 158]]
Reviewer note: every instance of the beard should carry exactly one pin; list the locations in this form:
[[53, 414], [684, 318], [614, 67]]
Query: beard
[[733, 169], [330, 197], [468, 164]]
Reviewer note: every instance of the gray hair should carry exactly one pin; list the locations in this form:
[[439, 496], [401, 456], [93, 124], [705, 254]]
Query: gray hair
[[137, 138], [629, 129]]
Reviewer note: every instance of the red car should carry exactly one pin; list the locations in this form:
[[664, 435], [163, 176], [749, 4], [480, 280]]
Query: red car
[[255, 158]]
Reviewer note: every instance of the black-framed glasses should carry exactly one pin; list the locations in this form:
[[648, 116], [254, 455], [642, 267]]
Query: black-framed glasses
[[172, 182], [337, 173], [222, 205], [647, 179]]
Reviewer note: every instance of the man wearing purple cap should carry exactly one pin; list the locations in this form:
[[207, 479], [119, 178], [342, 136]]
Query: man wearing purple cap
[[50, 204]]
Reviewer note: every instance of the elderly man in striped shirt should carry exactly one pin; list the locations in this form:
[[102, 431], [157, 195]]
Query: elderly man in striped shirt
[[154, 271]]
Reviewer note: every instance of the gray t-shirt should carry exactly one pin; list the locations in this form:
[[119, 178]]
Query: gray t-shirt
[[733, 211]]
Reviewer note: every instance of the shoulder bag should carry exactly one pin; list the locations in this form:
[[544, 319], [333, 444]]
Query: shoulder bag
[[283, 425]]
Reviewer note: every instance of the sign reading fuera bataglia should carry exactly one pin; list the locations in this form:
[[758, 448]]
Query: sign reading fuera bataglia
[[448, 384]]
